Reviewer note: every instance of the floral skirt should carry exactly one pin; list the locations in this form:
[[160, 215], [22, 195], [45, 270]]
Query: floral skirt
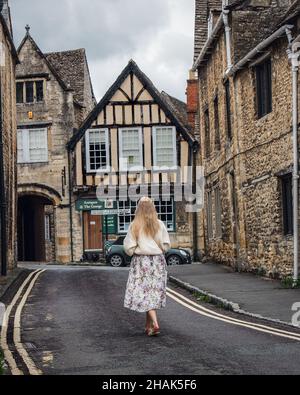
[[147, 284]]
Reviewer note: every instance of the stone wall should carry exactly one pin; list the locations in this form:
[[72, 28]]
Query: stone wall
[[246, 168], [9, 128], [51, 179]]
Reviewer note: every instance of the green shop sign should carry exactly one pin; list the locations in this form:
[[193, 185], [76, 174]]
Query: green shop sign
[[110, 225]]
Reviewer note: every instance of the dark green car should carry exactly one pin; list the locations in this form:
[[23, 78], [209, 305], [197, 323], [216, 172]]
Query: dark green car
[[116, 256]]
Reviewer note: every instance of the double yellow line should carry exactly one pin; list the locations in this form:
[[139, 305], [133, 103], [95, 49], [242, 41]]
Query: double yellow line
[[33, 370], [195, 307]]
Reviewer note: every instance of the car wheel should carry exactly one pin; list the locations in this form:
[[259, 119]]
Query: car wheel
[[174, 260], [116, 261]]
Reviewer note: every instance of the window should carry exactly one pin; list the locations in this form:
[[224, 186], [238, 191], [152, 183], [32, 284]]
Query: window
[[39, 91], [97, 150], [20, 92], [164, 147], [47, 228], [207, 133], [30, 91], [209, 215], [125, 220], [165, 210], [264, 88], [32, 146], [218, 212], [217, 124], [228, 109], [131, 148], [287, 204]]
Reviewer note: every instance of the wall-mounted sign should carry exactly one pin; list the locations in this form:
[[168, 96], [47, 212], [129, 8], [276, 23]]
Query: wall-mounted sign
[[94, 205], [110, 225]]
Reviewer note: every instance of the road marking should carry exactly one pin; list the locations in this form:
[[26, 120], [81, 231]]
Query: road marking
[[7, 353], [17, 330], [220, 317], [15, 371]]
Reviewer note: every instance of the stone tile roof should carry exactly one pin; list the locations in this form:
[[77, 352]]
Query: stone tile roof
[[293, 11], [70, 66], [251, 27], [201, 22], [178, 107]]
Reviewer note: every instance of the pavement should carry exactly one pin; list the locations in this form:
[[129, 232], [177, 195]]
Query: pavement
[[243, 293], [74, 323]]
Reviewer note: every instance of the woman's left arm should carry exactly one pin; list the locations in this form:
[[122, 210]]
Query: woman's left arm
[[166, 243], [130, 244]]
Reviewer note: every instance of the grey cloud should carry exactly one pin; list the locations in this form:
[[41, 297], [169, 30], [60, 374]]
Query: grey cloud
[[112, 32]]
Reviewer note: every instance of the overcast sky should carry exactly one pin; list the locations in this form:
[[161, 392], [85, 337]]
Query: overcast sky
[[157, 34]]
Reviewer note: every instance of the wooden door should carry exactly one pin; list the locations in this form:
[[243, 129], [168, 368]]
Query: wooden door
[[93, 238]]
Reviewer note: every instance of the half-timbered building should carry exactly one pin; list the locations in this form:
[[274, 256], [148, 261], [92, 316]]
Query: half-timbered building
[[134, 126]]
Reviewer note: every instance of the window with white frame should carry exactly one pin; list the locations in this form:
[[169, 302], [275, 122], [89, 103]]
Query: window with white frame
[[32, 145], [164, 147], [165, 210], [97, 150], [131, 148], [166, 213], [47, 227], [125, 220]]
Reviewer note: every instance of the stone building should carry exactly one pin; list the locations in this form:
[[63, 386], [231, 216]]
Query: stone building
[[54, 94], [137, 123], [245, 109], [8, 143]]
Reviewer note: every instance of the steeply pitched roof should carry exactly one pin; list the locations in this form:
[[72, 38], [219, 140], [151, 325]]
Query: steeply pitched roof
[[292, 12], [179, 108], [202, 8], [70, 66], [157, 96], [250, 27], [50, 66]]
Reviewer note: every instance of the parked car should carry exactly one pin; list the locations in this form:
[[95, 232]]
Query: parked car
[[116, 256]]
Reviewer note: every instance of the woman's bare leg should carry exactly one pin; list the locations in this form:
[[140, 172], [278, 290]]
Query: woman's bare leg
[[153, 317], [148, 321]]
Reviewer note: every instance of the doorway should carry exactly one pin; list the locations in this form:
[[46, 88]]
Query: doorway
[[93, 236], [35, 220]]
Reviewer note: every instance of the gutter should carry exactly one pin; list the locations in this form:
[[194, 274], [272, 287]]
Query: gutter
[[259, 48]]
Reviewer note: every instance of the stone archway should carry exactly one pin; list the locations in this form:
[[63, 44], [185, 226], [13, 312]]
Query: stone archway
[[36, 223]]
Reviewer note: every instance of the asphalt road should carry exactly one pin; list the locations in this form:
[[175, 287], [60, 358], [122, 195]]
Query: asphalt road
[[74, 323]]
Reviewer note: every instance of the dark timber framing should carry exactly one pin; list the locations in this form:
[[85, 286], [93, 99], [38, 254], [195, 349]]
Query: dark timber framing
[[130, 70]]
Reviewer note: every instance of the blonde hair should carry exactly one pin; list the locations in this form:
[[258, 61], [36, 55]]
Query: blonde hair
[[146, 219]]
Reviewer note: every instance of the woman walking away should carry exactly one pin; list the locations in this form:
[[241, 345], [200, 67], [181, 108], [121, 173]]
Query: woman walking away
[[147, 241]]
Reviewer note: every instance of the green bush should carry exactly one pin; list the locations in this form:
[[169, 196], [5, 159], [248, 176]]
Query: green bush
[[288, 282]]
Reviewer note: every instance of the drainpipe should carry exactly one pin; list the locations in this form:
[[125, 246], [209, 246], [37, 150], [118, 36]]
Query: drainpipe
[[294, 54], [70, 204], [225, 14], [3, 222]]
